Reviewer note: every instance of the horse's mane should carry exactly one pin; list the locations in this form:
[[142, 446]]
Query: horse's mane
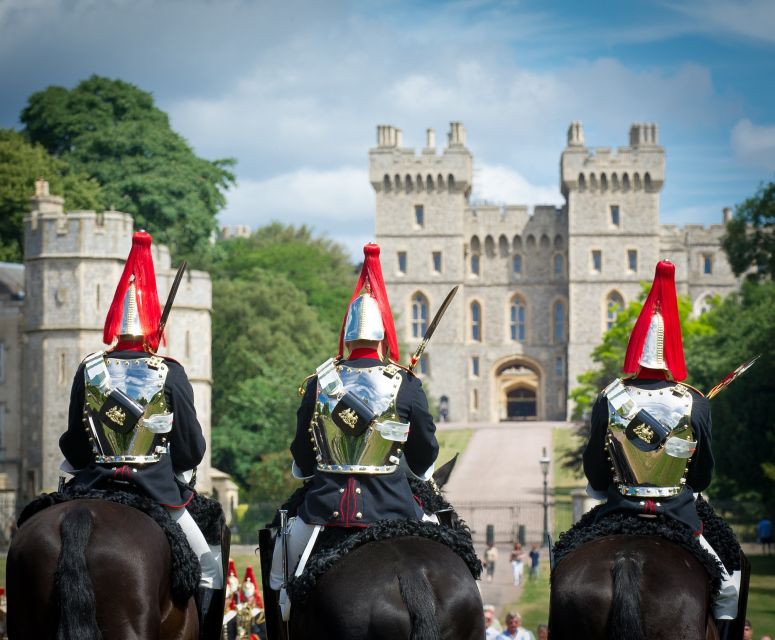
[[186, 571], [621, 523]]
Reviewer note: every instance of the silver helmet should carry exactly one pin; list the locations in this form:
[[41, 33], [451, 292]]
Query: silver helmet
[[364, 320]]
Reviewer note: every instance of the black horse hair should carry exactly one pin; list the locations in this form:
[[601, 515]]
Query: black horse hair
[[72, 582], [417, 594], [625, 617], [185, 571]]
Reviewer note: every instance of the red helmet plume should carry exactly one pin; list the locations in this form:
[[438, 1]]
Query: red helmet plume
[[655, 341], [371, 279], [138, 280]]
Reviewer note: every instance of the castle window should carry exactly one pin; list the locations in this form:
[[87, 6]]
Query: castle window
[[559, 264], [402, 262], [603, 182], [503, 246], [62, 378], [703, 305], [516, 264], [475, 399], [397, 182], [517, 315], [632, 260], [474, 366], [408, 183], [419, 215], [647, 181], [559, 322], [597, 260], [419, 315], [424, 366], [636, 181], [614, 304], [489, 246], [436, 257], [582, 183], [625, 182], [615, 218], [429, 183], [475, 264], [476, 322], [450, 182], [707, 264], [386, 183], [558, 367]]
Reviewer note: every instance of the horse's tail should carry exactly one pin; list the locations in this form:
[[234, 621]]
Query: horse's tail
[[72, 583], [625, 621], [417, 594]]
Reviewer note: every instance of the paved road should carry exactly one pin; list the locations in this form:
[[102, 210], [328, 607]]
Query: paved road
[[501, 465]]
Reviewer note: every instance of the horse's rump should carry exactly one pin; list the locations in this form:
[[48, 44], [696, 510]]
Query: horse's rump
[[407, 587], [127, 557], [618, 586]]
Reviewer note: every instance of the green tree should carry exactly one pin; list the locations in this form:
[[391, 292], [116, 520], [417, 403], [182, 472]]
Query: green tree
[[112, 131], [21, 164], [750, 241]]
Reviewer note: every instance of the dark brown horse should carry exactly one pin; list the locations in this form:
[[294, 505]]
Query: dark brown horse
[[397, 589], [630, 587], [92, 569]]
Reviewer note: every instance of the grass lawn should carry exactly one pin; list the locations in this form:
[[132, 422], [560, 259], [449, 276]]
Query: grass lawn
[[761, 595], [452, 442]]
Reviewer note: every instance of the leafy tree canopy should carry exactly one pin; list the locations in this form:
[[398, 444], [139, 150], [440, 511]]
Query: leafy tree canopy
[[21, 164], [750, 238], [112, 131]]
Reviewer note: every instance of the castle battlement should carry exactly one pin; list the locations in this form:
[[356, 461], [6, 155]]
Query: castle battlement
[[399, 171]]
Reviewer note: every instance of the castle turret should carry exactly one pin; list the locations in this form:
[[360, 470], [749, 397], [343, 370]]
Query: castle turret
[[73, 262]]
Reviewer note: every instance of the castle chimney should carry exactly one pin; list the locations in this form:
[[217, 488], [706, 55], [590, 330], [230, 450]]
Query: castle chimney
[[726, 215], [41, 188], [398, 138], [576, 134], [43, 201], [643, 134], [430, 139], [457, 134]]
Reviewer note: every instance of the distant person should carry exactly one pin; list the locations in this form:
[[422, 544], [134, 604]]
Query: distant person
[[491, 625], [490, 558], [748, 631], [517, 559], [542, 632], [535, 556], [766, 637], [764, 534], [514, 629]]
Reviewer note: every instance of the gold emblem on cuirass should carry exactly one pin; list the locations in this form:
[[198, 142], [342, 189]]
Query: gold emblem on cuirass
[[117, 415], [644, 432], [349, 417]]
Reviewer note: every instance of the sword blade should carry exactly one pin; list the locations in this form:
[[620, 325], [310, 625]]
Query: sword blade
[[171, 298], [432, 328], [730, 377]]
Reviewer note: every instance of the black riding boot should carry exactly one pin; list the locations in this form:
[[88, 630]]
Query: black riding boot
[[724, 629], [209, 606]]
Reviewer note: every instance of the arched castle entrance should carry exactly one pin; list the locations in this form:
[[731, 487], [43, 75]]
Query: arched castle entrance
[[518, 390]]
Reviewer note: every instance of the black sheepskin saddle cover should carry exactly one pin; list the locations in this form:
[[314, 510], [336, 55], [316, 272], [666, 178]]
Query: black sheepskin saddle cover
[[715, 530], [336, 542], [186, 571]]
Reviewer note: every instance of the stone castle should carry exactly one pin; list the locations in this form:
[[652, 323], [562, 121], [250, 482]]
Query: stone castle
[[537, 288], [51, 314]]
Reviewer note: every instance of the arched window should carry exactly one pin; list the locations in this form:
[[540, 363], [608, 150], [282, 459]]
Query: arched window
[[440, 182], [450, 182], [559, 243], [517, 242], [489, 246], [386, 183], [408, 183], [647, 181], [476, 322], [582, 182], [603, 182], [397, 182], [613, 305], [419, 315], [559, 321], [636, 181], [475, 264], [429, 183], [625, 182], [544, 241], [503, 246], [531, 241], [517, 319], [419, 181], [592, 181], [614, 182]]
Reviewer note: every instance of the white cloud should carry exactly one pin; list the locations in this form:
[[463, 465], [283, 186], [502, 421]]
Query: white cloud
[[503, 185], [743, 18], [754, 144]]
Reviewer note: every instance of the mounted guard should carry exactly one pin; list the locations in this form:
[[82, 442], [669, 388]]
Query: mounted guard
[[649, 451], [132, 421], [362, 426]]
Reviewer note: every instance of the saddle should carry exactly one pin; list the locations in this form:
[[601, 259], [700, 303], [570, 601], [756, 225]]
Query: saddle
[[593, 525], [186, 571]]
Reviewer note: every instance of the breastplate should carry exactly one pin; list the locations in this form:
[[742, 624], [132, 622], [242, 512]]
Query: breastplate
[[650, 439], [348, 442], [142, 381]]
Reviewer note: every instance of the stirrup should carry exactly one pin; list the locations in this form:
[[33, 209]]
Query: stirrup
[[285, 605]]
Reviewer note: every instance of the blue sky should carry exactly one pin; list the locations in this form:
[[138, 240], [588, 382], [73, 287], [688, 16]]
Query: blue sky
[[294, 90]]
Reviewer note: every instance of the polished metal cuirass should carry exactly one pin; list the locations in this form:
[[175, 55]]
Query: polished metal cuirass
[[142, 379], [375, 450], [650, 440]]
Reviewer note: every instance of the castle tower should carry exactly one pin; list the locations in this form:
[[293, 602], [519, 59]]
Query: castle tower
[[73, 262], [421, 199], [613, 231]]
